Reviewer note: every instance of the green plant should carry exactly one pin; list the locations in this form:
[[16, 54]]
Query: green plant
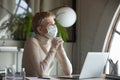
[[62, 32], [21, 27]]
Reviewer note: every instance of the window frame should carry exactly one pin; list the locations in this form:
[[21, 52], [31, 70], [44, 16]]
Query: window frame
[[111, 30]]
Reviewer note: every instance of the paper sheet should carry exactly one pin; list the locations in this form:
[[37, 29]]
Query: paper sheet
[[36, 78]]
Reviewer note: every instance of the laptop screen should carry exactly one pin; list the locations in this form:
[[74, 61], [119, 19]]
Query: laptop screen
[[94, 64]]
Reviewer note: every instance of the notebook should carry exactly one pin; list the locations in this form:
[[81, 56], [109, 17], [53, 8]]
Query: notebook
[[93, 66]]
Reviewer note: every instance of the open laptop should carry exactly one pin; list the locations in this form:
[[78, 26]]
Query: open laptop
[[93, 66]]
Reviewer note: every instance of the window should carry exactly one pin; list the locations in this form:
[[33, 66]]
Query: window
[[112, 44], [21, 21], [22, 6], [9, 17]]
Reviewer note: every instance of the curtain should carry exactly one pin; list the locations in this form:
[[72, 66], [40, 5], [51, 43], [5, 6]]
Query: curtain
[[35, 5], [47, 5], [6, 7], [6, 10]]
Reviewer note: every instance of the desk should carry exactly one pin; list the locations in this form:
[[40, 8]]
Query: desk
[[69, 78], [35, 78]]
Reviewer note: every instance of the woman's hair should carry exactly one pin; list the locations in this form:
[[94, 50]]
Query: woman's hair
[[38, 18]]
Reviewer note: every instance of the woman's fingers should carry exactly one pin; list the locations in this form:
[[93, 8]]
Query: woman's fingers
[[56, 42]]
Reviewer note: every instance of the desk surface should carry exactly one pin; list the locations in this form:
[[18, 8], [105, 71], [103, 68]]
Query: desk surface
[[35, 78]]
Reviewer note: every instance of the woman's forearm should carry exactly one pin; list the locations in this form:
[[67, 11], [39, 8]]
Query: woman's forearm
[[64, 61], [45, 64]]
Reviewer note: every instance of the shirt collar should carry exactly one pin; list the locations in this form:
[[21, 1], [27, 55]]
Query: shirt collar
[[42, 39]]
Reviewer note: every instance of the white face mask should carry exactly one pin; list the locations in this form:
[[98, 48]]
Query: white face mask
[[52, 31]]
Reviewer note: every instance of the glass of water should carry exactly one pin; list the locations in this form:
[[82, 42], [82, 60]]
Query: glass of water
[[9, 73]]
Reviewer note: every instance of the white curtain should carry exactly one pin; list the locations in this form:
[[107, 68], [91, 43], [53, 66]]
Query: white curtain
[[7, 9]]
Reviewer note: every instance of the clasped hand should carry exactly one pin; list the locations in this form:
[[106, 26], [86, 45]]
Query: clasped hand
[[57, 42]]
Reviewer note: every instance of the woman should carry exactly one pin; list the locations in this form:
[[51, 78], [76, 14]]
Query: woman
[[44, 48]]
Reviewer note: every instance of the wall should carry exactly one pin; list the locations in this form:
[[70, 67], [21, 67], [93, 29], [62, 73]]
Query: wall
[[94, 17]]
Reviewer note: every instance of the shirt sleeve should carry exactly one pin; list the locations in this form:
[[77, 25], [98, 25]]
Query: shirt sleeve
[[64, 61]]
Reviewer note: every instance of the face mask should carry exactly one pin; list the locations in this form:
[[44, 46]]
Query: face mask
[[52, 31]]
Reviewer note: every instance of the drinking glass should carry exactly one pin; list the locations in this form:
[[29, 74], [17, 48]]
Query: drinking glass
[[9, 73]]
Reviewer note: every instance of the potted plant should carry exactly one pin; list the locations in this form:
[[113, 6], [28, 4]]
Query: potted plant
[[21, 27]]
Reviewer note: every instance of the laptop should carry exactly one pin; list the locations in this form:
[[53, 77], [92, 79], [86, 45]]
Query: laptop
[[93, 66]]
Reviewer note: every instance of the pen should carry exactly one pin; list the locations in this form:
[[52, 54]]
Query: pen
[[116, 62], [44, 78]]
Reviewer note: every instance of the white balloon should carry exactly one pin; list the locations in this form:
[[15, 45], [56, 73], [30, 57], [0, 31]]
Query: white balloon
[[66, 16]]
